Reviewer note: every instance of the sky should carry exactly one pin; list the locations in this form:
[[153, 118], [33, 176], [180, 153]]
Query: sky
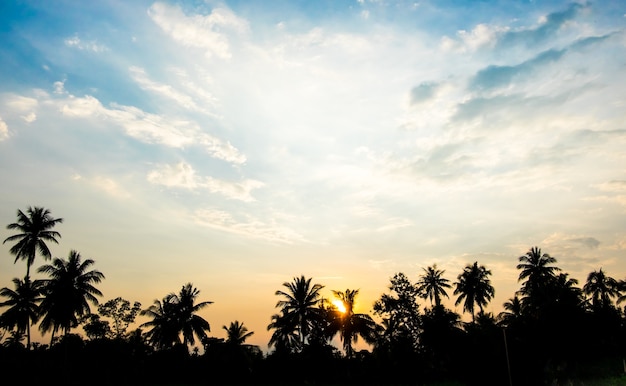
[[239, 144]]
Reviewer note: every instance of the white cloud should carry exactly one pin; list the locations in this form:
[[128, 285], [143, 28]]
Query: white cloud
[[104, 184], [182, 175], [198, 31], [4, 130], [481, 36], [152, 128], [76, 42], [248, 226], [168, 91]]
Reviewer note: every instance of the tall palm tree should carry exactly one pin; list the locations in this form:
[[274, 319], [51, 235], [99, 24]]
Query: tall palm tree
[[192, 324], [175, 316], [68, 292], [237, 333], [432, 285], [35, 230], [285, 337], [536, 269], [350, 325], [300, 305], [601, 288], [24, 306], [474, 288]]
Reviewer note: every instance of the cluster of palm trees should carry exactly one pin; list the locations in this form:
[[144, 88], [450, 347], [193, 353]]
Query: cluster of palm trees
[[550, 322], [58, 302]]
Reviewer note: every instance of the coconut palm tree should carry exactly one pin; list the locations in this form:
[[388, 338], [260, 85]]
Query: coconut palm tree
[[474, 288], [175, 316], [537, 270], [350, 325], [431, 285], [237, 333], [285, 337], [601, 289], [35, 227], [23, 303], [68, 292], [300, 306], [513, 310], [164, 330]]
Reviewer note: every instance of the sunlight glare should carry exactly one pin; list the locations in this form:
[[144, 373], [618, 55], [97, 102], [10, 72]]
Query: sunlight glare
[[340, 306]]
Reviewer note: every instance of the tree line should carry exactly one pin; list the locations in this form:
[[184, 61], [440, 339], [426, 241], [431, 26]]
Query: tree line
[[551, 331]]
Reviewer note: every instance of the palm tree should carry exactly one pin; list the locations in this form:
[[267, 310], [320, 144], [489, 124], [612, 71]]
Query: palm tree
[[176, 315], [537, 271], [164, 330], [24, 306], [350, 325], [237, 333], [601, 288], [300, 305], [432, 285], [35, 227], [68, 292], [513, 309], [474, 287], [192, 324], [285, 337]]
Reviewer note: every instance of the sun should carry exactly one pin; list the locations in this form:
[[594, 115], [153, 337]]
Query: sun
[[340, 306]]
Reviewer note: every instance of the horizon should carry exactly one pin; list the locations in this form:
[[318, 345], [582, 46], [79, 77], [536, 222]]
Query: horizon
[[236, 145]]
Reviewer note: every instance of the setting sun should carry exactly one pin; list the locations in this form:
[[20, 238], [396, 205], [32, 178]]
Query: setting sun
[[339, 305]]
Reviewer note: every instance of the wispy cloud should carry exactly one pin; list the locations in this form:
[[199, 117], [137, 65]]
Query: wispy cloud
[[92, 45], [4, 130], [104, 184], [206, 32], [247, 226], [152, 128], [182, 175]]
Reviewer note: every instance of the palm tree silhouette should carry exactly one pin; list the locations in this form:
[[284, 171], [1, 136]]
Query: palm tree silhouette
[[601, 288], [431, 285], [350, 325], [474, 287], [299, 308], [68, 292], [23, 303], [35, 227], [176, 316], [536, 269], [237, 333], [513, 310]]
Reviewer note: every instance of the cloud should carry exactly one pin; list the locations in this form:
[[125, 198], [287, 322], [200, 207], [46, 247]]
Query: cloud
[[199, 31], [182, 175], [248, 226], [139, 75], [423, 92], [495, 76], [104, 184], [4, 130], [548, 26], [152, 128], [76, 42], [481, 36]]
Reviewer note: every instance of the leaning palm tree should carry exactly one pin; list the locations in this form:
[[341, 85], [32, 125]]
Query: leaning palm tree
[[431, 285], [474, 288], [299, 307], [601, 288], [23, 303], [35, 230], [350, 325], [237, 333], [68, 292]]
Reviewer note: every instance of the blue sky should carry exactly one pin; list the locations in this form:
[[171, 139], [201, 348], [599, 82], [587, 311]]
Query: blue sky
[[236, 145]]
